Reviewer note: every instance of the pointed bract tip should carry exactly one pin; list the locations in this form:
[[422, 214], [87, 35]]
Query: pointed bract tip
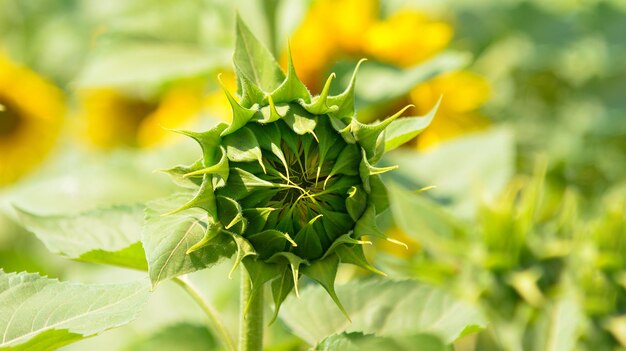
[[424, 189], [398, 242]]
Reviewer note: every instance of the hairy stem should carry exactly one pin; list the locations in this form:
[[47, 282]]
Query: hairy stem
[[251, 316], [217, 324]]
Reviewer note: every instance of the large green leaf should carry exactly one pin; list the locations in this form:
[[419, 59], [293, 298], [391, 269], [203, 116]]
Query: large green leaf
[[167, 239], [40, 314], [255, 61], [109, 236], [361, 342], [179, 337], [381, 307]]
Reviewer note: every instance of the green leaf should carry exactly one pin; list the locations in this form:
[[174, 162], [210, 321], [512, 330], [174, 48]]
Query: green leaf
[[40, 314], [361, 342], [381, 307], [179, 337], [110, 236], [255, 61], [404, 129], [167, 239]]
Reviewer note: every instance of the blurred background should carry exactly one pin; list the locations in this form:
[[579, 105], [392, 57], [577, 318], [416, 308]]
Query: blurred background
[[527, 151]]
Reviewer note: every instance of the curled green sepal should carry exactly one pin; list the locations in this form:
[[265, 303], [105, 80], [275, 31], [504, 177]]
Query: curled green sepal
[[213, 229], [366, 225], [294, 262], [345, 100], [220, 169], [301, 122], [230, 214], [209, 142], [250, 94], [354, 255], [271, 112], [244, 249], [350, 250], [204, 199], [243, 147], [372, 136], [260, 273], [366, 170], [347, 163], [241, 115], [291, 88], [281, 287], [269, 241], [319, 105], [178, 174], [356, 202], [324, 272]]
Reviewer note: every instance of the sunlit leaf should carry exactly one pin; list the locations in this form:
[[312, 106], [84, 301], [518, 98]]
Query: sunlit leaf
[[110, 236], [381, 307], [37, 313]]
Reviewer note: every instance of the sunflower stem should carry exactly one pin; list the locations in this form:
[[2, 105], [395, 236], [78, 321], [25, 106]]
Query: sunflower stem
[[250, 323]]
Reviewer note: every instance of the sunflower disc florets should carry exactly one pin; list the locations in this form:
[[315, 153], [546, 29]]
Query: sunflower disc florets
[[292, 179]]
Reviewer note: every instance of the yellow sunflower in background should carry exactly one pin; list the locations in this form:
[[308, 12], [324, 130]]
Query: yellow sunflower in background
[[335, 29], [31, 115], [114, 117]]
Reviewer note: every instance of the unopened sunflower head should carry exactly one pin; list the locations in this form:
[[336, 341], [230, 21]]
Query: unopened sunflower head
[[292, 180]]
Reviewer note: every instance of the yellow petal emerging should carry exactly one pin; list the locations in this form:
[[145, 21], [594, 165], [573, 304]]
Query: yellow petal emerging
[[30, 119]]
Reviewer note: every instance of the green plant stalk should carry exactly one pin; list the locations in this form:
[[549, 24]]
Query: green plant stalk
[[216, 321], [251, 321]]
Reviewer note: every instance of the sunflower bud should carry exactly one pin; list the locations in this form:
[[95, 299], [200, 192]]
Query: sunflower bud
[[292, 180]]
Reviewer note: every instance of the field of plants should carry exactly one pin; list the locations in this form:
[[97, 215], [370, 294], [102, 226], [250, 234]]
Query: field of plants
[[286, 175]]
